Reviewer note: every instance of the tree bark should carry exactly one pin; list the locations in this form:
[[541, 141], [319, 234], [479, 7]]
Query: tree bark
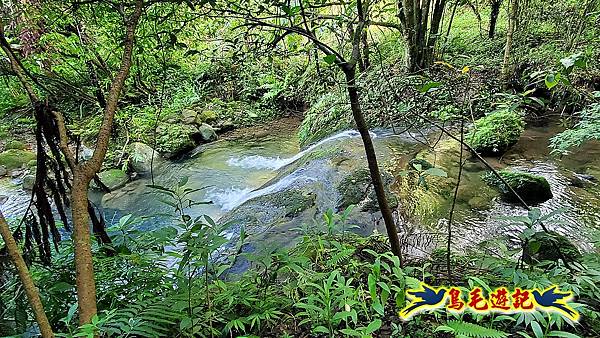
[[512, 19], [496, 4], [83, 174], [363, 129], [30, 289]]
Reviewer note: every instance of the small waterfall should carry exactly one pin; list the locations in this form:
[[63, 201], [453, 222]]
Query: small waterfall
[[233, 197], [274, 163]]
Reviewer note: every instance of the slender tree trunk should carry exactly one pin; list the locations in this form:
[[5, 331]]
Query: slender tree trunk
[[32, 292], [363, 129], [512, 19], [496, 4], [83, 174], [84, 266]]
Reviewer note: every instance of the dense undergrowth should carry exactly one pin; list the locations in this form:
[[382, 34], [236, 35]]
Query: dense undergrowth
[[171, 282]]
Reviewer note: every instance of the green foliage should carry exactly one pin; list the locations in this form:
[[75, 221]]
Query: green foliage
[[329, 114], [585, 130], [464, 329], [15, 158], [496, 132]]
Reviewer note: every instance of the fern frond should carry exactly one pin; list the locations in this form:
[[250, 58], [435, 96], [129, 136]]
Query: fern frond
[[473, 330], [147, 319]]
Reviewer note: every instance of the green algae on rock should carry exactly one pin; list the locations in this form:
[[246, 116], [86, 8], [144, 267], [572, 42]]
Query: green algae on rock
[[532, 188]]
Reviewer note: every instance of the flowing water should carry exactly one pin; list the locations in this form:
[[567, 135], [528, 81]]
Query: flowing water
[[239, 176]]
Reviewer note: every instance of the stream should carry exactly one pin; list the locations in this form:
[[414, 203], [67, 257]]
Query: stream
[[271, 187]]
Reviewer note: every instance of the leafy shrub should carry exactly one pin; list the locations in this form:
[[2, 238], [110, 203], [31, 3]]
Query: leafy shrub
[[588, 128], [495, 133]]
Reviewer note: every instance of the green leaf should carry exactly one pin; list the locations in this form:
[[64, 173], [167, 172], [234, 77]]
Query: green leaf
[[429, 86], [537, 330], [373, 326], [436, 172], [552, 80], [330, 59], [562, 334]]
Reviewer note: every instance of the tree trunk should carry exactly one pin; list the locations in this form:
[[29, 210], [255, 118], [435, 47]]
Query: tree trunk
[[420, 22], [496, 4], [84, 268], [512, 19], [363, 129], [30, 289]]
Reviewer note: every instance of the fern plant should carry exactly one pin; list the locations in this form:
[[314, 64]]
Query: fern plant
[[462, 329]]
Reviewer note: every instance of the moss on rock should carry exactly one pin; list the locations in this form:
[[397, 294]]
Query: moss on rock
[[493, 134], [549, 251], [532, 188], [113, 179], [15, 145], [357, 189], [16, 158]]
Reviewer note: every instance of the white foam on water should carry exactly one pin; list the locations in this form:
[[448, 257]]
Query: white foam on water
[[233, 197], [274, 163]]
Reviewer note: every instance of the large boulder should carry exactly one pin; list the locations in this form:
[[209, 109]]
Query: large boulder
[[140, 157], [545, 246], [3, 171], [532, 188], [207, 133], [15, 158], [113, 179], [174, 139], [188, 116], [495, 133]]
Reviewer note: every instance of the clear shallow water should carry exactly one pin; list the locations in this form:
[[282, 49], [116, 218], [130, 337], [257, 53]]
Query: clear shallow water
[[232, 173]]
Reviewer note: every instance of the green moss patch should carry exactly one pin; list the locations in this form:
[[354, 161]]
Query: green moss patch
[[16, 158], [495, 133], [532, 188]]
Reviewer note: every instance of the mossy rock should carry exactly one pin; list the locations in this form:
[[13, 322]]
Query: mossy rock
[[495, 133], [357, 189], [331, 113], [542, 248], [532, 188], [113, 179], [174, 139], [15, 145], [16, 158], [206, 116]]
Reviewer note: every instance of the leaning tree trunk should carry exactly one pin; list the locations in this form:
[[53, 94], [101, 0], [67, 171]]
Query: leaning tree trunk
[[374, 171], [512, 20], [30, 290], [496, 4]]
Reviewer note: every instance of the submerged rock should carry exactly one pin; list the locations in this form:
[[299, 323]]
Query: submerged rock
[[140, 157], [113, 179], [495, 133], [542, 248], [16, 158], [28, 182], [357, 189], [532, 188]]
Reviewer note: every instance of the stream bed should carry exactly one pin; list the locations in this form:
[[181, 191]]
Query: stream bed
[[271, 187]]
